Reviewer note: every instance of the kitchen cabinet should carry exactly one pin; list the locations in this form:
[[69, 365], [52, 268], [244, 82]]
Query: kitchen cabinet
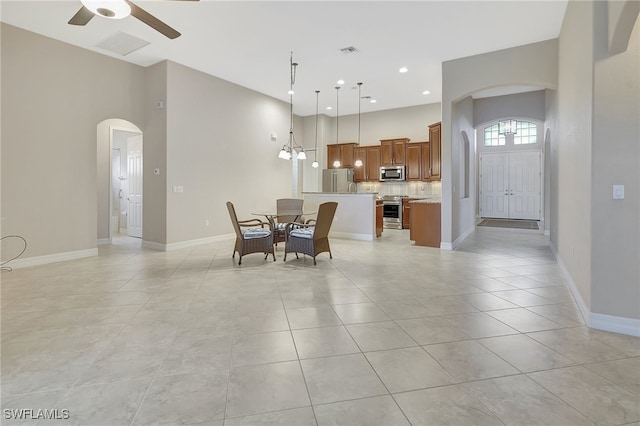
[[370, 169], [426, 161], [425, 224], [435, 154], [342, 152], [406, 212], [379, 221], [414, 161], [392, 152]]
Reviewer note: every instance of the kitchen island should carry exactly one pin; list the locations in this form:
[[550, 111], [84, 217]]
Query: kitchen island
[[425, 222], [355, 217]]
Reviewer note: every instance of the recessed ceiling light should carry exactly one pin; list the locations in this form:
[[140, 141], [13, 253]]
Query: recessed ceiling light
[[426, 92], [373, 101], [329, 107], [340, 81], [403, 69]]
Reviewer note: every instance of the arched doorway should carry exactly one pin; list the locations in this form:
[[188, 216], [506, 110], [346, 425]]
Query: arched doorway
[[119, 159]]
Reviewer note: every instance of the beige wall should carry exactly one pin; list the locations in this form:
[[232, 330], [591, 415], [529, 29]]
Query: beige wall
[[463, 209], [615, 226], [53, 97], [571, 147], [219, 149]]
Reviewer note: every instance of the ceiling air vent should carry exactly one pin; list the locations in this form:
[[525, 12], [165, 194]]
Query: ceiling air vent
[[350, 49], [122, 43]]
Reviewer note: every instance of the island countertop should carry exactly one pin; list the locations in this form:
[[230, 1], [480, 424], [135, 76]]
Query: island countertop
[[434, 200]]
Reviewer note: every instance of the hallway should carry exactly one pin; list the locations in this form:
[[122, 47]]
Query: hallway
[[386, 333]]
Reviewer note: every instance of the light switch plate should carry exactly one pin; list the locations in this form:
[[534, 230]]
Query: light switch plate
[[618, 192]]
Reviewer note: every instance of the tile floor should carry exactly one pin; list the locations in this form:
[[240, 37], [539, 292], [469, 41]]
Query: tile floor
[[386, 333]]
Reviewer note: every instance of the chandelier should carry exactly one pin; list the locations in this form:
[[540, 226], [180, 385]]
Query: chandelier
[[286, 152]]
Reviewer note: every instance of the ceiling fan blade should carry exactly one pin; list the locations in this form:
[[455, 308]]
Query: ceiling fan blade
[[152, 21], [82, 17]]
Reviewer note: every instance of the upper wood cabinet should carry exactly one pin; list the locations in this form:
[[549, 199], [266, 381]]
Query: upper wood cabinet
[[370, 169], [392, 151], [426, 161], [435, 145], [343, 152], [373, 163], [414, 161]]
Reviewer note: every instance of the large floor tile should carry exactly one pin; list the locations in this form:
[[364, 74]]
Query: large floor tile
[[404, 309], [265, 388], [445, 406], [185, 399], [594, 396], [577, 346], [339, 378], [566, 315], [376, 411], [524, 353], [478, 325], [324, 341], [518, 400], [356, 313], [523, 320], [427, 331], [294, 417], [11, 406], [408, 369], [624, 372], [263, 348], [378, 336], [468, 360], [313, 316], [107, 404]]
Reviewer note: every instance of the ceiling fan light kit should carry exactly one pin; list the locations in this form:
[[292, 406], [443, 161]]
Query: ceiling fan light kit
[[119, 9], [112, 9]]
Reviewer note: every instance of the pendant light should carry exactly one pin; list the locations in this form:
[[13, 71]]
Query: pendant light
[[336, 164], [315, 152], [286, 153], [358, 162]]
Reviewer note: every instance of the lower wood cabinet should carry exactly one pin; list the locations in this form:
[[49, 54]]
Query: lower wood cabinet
[[425, 224], [379, 222], [406, 212]]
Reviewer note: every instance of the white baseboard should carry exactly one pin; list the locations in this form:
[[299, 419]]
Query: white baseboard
[[446, 246], [352, 236], [463, 236], [615, 324], [52, 258], [186, 244], [104, 241], [582, 306]]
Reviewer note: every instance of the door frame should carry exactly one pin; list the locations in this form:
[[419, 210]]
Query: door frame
[[112, 129]]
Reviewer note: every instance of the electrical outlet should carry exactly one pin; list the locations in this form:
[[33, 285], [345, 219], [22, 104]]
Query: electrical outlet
[[206, 222]]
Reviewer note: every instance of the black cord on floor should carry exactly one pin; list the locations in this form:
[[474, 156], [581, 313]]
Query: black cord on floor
[[8, 268]]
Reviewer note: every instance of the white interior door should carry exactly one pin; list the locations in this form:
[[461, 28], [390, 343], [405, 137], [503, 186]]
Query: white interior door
[[134, 169], [494, 179], [524, 185], [510, 185]]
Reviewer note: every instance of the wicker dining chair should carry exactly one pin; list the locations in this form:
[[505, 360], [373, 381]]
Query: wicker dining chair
[[311, 238], [282, 205], [255, 239]]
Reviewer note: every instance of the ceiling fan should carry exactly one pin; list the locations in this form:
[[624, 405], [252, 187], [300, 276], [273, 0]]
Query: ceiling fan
[[118, 9]]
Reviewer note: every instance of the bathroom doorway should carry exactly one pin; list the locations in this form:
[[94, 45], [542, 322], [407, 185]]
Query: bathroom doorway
[[120, 182]]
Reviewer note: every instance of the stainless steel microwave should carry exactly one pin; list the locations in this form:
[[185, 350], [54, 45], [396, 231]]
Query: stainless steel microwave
[[388, 173]]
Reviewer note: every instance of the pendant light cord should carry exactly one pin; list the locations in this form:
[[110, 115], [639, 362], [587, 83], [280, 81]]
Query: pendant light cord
[[315, 152], [337, 111]]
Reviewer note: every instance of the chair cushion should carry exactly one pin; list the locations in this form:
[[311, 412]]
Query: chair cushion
[[255, 233], [306, 233]]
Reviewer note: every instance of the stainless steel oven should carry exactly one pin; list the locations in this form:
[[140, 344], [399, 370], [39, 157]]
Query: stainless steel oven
[[392, 211]]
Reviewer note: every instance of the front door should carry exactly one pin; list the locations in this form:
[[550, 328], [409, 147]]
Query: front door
[[134, 168], [510, 185]]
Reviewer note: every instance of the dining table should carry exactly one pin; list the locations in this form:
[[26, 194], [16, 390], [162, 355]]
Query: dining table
[[272, 216]]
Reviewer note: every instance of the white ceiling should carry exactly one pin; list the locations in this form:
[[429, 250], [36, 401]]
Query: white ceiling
[[249, 42]]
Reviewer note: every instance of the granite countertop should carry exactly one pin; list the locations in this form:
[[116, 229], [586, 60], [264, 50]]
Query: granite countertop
[[433, 200]]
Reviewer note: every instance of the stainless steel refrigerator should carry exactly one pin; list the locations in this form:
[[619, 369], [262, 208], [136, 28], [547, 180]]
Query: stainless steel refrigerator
[[338, 180]]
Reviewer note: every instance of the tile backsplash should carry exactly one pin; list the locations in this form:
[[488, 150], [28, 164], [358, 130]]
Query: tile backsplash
[[404, 188]]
